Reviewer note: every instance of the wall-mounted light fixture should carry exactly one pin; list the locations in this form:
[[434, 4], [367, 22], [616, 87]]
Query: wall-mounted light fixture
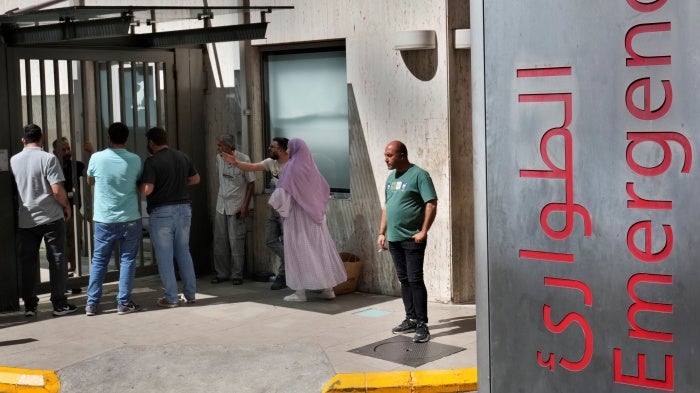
[[415, 40], [463, 38]]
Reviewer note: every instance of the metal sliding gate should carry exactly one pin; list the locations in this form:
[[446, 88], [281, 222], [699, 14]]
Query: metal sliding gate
[[74, 95]]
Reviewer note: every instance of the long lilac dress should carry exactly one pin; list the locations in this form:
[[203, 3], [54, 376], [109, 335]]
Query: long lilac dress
[[310, 256]]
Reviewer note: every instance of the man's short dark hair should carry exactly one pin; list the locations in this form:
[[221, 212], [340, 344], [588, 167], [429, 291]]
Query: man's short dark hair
[[281, 142], [157, 135], [62, 139], [32, 133], [118, 133]]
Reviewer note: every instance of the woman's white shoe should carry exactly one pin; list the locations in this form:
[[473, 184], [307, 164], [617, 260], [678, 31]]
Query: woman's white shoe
[[298, 296], [327, 294]]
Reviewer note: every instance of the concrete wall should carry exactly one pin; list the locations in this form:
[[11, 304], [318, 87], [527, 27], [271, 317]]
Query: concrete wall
[[461, 213], [418, 97], [387, 102]]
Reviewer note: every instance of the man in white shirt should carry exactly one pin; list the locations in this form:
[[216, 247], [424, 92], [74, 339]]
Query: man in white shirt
[[273, 226], [235, 191]]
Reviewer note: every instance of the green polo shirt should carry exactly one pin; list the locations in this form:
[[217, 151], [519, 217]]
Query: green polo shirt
[[406, 195]]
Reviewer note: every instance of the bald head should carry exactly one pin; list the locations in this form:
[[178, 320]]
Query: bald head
[[396, 156]]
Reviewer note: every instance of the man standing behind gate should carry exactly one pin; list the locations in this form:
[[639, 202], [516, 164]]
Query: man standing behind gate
[[62, 150], [167, 173], [114, 172], [235, 191], [409, 211]]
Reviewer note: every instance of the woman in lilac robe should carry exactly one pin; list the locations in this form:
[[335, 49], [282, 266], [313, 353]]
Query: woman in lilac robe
[[301, 196]]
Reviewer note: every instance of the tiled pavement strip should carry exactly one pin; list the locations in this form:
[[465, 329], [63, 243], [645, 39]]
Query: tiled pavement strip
[[34, 351]]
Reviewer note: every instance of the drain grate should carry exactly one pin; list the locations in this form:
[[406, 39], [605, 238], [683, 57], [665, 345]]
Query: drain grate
[[402, 350]]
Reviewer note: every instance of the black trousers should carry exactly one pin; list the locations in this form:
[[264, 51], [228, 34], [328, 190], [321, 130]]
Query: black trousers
[[54, 237], [408, 259]]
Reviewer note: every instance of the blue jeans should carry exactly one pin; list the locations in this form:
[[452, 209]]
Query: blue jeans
[[170, 235], [54, 236], [408, 260], [128, 234]]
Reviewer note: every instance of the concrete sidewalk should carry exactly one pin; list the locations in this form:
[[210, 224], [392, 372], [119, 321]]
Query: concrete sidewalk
[[233, 339]]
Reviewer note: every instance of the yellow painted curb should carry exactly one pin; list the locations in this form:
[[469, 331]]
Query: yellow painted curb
[[24, 380], [428, 381]]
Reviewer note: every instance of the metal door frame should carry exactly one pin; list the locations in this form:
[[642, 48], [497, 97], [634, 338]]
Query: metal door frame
[[90, 111]]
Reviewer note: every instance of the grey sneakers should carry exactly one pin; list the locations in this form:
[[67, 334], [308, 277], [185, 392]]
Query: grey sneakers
[[91, 309], [163, 302], [127, 308]]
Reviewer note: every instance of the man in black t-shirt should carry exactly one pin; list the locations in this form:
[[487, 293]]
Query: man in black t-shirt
[[166, 175]]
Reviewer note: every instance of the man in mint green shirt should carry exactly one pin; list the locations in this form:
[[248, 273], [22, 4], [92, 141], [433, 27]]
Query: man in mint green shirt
[[409, 211], [114, 172]]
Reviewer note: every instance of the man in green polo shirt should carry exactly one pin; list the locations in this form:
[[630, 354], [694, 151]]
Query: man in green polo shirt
[[409, 211]]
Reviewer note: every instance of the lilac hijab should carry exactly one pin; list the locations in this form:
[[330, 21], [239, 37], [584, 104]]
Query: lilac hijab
[[302, 180]]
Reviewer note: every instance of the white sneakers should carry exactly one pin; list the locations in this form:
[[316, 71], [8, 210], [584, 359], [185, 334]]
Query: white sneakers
[[327, 294], [300, 296]]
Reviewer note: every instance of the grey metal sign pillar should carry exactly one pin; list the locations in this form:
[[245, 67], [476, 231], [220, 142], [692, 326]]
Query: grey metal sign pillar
[[586, 125]]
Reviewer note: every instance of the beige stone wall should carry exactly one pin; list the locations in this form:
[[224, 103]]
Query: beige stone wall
[[391, 103], [387, 101]]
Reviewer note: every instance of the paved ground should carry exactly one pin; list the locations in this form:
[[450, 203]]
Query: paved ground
[[233, 339]]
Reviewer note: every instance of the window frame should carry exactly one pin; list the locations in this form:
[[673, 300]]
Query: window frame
[[290, 49]]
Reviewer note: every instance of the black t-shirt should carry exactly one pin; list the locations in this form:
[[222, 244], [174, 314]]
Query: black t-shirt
[[68, 183], [68, 174], [168, 171]]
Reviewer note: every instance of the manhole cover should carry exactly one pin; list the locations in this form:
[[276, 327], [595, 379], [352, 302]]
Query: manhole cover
[[402, 350]]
